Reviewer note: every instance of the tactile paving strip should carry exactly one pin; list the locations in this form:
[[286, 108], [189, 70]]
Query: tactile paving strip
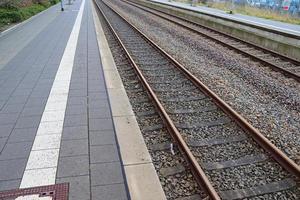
[[56, 192]]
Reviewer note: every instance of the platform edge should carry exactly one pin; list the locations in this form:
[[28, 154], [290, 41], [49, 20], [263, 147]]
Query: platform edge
[[135, 164]]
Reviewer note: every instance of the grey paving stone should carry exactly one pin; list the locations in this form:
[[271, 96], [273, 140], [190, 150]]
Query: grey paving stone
[[36, 102], [77, 101], [79, 187], [2, 142], [22, 135], [17, 108], [23, 92], [16, 150], [102, 137], [41, 90], [98, 104], [28, 122], [10, 184], [46, 82], [5, 130], [48, 75], [75, 132], [8, 118], [100, 124], [79, 76], [17, 100], [27, 84], [12, 169], [43, 87], [106, 173], [74, 147], [8, 90], [95, 83], [103, 112], [97, 95], [111, 192], [73, 166], [32, 111], [75, 120], [104, 153], [78, 85], [98, 88], [76, 109], [2, 103], [40, 94], [3, 99], [95, 76], [81, 81], [78, 93]]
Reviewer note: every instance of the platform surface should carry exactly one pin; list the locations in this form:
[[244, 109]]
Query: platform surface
[[55, 117], [271, 24]]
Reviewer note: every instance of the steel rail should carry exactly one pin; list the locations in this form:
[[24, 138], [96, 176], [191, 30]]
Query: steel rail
[[197, 171], [199, 174], [296, 62], [273, 66]]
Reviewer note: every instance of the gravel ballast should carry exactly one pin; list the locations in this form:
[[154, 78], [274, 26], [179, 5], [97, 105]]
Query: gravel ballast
[[267, 99]]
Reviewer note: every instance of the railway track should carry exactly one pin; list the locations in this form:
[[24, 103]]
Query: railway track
[[228, 157], [173, 177], [276, 61]]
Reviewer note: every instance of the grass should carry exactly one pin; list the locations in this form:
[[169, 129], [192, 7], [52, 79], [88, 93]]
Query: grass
[[251, 11], [10, 15]]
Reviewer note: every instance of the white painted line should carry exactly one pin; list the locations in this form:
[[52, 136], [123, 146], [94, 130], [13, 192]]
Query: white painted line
[[43, 159], [38, 177], [42, 163], [52, 116], [43, 142], [46, 128]]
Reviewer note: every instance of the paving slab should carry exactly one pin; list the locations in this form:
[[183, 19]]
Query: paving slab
[[74, 147], [106, 174], [85, 158], [79, 187], [27, 75], [114, 191], [73, 166], [58, 122], [144, 182]]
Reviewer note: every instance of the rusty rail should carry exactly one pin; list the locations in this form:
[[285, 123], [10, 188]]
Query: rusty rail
[[252, 56], [197, 171]]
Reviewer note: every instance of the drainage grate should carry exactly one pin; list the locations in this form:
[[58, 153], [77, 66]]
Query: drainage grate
[[51, 192]]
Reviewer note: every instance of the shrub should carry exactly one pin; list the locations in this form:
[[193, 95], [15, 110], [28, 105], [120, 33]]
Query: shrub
[[12, 15], [12, 11], [53, 2]]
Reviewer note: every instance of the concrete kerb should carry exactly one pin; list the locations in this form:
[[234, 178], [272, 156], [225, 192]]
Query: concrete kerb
[[141, 177]]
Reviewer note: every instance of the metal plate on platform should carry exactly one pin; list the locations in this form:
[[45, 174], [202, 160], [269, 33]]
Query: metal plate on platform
[[49, 192]]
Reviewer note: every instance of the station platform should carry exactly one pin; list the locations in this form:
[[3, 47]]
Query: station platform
[[61, 118], [260, 22]]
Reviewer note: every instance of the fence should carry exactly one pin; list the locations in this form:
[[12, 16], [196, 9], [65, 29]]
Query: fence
[[281, 10]]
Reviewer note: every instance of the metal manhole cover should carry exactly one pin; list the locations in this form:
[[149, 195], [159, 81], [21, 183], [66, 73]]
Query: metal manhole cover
[[49, 192]]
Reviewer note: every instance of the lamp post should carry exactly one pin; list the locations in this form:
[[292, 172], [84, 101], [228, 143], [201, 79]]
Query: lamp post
[[61, 5]]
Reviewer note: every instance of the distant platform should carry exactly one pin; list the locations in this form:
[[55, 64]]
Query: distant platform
[[260, 22]]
